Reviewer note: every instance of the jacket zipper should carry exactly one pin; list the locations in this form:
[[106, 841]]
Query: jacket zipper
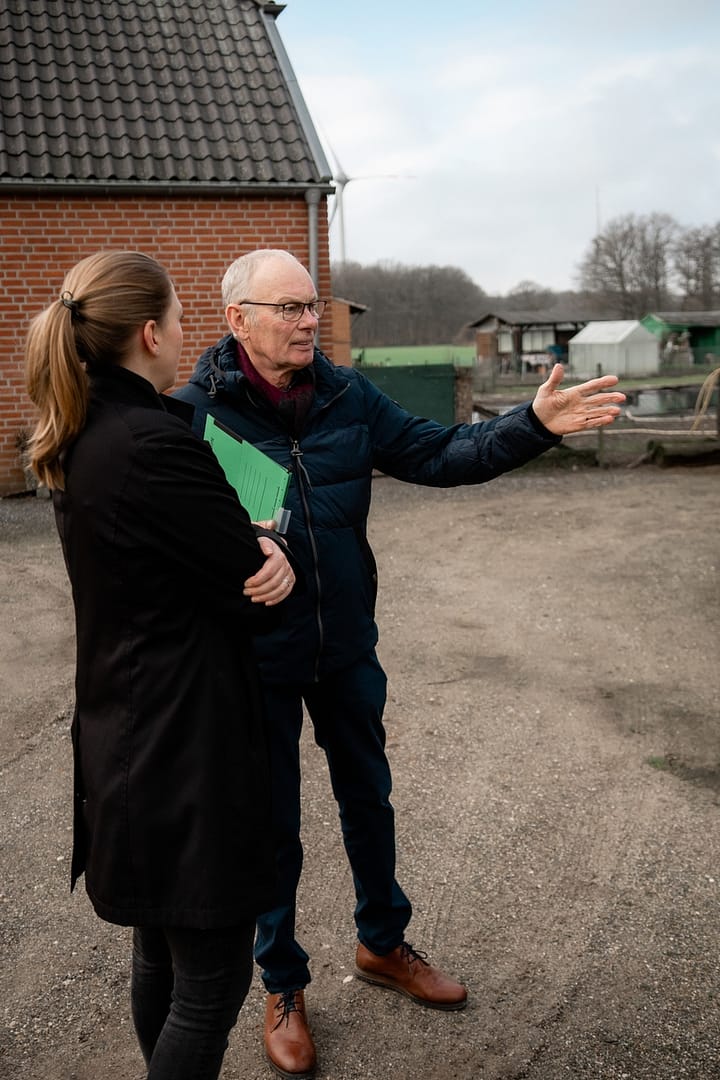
[[303, 483]]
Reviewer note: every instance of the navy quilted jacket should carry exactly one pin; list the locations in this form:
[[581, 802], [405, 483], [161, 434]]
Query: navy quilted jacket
[[352, 428]]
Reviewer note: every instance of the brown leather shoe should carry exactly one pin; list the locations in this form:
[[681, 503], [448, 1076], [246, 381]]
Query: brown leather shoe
[[408, 972], [288, 1043]]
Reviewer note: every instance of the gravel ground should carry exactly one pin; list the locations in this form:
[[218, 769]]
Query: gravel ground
[[553, 729]]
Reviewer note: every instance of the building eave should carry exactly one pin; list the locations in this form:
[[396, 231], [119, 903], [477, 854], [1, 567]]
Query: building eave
[[171, 187]]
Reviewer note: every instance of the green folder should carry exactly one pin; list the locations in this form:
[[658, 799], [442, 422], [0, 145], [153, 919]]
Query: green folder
[[260, 482]]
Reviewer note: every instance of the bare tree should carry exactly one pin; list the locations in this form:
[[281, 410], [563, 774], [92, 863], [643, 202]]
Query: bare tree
[[657, 233], [628, 263], [529, 296], [696, 263], [607, 267]]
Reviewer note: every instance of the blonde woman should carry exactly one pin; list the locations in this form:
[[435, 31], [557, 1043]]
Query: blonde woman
[[169, 581]]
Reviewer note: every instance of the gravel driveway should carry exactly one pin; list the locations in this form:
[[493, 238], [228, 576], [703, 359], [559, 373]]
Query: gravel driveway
[[551, 641]]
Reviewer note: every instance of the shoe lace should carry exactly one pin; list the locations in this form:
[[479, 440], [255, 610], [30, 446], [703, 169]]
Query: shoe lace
[[411, 955], [286, 1004]]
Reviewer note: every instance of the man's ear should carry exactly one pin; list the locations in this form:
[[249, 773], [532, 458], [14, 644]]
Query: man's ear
[[236, 320], [149, 336]]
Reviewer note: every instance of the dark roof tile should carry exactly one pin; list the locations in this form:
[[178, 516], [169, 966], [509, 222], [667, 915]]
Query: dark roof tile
[[150, 91]]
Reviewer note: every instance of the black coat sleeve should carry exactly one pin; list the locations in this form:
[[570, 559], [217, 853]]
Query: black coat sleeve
[[196, 517]]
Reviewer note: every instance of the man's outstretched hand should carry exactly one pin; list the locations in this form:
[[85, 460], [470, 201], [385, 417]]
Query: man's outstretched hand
[[577, 408]]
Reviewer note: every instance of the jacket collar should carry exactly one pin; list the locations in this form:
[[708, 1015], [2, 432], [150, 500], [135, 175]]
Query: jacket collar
[[218, 372], [121, 385], [117, 384]]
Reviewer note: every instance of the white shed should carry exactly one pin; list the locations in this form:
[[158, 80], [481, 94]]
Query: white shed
[[623, 348]]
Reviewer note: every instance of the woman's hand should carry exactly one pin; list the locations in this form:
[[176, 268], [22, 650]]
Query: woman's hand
[[275, 578]]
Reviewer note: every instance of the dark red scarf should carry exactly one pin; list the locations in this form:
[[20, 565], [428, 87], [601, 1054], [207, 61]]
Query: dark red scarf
[[293, 401]]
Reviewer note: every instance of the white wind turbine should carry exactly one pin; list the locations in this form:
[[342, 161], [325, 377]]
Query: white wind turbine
[[341, 180]]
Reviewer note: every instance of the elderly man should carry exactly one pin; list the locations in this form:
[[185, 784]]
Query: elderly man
[[331, 427]]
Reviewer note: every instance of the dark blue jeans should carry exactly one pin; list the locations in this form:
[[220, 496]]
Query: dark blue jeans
[[187, 989], [346, 711]]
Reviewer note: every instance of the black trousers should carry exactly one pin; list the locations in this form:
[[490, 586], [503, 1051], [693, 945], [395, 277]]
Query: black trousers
[[346, 711], [187, 989]]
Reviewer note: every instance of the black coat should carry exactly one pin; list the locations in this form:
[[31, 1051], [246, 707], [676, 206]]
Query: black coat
[[351, 429], [171, 771]]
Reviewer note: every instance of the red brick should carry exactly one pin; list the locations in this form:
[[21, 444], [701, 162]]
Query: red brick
[[195, 237]]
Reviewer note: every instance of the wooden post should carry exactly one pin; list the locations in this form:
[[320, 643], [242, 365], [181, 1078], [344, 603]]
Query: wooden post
[[601, 432]]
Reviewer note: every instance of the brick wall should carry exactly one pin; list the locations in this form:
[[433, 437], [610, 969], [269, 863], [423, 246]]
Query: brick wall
[[342, 337], [196, 238], [463, 395]]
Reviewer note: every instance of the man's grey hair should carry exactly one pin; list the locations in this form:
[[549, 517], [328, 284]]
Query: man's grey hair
[[237, 282]]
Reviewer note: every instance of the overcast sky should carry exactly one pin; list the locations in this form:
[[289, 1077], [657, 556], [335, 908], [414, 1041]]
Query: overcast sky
[[512, 126]]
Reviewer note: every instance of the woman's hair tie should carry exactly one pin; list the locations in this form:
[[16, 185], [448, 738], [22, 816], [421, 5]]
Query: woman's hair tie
[[70, 302]]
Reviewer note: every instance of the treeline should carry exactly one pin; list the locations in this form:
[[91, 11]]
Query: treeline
[[648, 263], [409, 305], [432, 305], [635, 265]]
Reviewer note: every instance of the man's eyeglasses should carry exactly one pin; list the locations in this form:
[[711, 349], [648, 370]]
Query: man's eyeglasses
[[292, 312]]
